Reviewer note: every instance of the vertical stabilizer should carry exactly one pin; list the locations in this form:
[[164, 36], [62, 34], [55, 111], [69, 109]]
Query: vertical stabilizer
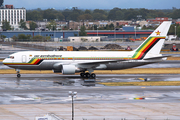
[[154, 43]]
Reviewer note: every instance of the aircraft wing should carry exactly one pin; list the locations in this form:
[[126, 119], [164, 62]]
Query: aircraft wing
[[95, 64], [88, 64], [99, 62]]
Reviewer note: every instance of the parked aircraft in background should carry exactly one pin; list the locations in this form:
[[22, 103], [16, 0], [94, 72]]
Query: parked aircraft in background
[[85, 62]]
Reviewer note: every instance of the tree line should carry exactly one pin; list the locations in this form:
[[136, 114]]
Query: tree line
[[24, 37], [76, 14], [22, 24]]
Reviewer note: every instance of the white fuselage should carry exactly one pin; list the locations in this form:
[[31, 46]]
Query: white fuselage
[[51, 60]]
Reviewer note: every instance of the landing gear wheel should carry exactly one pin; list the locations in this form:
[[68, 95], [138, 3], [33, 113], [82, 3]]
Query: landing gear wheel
[[18, 75], [82, 74], [87, 75], [93, 75]]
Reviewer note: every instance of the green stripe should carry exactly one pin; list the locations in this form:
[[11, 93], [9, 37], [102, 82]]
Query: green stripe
[[142, 46], [31, 60]]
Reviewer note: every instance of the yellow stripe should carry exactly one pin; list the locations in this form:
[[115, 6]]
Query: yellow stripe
[[33, 61], [144, 47]]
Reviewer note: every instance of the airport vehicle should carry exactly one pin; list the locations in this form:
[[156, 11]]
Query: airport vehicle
[[71, 62], [174, 48], [128, 48]]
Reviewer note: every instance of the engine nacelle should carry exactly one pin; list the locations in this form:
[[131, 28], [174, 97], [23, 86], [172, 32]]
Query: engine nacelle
[[57, 71], [68, 69]]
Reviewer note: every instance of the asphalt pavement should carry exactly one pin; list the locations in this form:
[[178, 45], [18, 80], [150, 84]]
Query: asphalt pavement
[[53, 88], [36, 95]]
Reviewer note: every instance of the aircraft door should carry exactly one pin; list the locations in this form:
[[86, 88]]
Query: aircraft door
[[24, 58]]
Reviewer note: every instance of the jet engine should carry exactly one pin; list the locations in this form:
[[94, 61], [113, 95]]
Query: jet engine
[[68, 69]]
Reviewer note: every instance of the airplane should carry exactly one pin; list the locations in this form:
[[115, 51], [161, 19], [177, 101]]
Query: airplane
[[85, 62]]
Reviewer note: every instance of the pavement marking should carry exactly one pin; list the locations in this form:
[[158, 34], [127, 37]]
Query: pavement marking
[[18, 98], [141, 79], [142, 98]]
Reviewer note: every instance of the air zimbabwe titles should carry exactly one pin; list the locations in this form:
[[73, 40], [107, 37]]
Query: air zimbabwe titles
[[48, 56]]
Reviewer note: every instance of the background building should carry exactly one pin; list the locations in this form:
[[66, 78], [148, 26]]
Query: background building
[[159, 19], [12, 15]]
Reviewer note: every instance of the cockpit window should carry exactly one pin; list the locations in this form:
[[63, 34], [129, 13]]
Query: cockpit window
[[12, 57]]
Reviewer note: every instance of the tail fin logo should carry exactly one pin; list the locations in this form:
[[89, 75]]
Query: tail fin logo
[[158, 33], [153, 44]]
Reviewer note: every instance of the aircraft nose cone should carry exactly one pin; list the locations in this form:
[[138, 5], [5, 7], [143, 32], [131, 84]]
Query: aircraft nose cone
[[4, 61]]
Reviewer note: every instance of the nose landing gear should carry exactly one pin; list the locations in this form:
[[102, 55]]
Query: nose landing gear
[[18, 73]]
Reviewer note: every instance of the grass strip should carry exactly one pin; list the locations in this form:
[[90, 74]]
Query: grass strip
[[173, 58], [148, 83], [141, 71], [12, 71], [170, 52]]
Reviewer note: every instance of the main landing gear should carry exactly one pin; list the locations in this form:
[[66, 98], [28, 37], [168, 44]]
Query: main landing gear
[[18, 73], [88, 75]]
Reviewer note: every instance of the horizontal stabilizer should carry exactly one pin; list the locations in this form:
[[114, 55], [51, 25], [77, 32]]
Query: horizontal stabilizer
[[159, 57]]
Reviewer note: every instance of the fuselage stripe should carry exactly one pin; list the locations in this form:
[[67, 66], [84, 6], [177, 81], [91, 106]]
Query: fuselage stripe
[[149, 48], [143, 53], [143, 50], [144, 47], [137, 51]]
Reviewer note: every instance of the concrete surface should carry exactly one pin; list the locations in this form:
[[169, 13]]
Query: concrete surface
[[34, 95], [99, 111]]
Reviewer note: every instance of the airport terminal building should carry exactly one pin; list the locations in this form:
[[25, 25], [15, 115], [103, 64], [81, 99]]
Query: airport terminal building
[[12, 15]]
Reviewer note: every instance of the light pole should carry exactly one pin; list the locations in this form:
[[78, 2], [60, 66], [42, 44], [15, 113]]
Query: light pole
[[54, 34], [175, 31], [53, 28], [115, 33], [135, 32], [72, 95], [39, 28], [78, 30], [97, 31]]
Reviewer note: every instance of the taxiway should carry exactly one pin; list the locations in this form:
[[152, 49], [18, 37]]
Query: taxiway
[[35, 95]]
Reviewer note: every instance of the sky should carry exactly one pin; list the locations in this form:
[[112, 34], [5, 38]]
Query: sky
[[94, 4]]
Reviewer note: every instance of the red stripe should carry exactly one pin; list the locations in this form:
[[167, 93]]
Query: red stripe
[[140, 55], [150, 44], [37, 61], [146, 48], [92, 33]]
